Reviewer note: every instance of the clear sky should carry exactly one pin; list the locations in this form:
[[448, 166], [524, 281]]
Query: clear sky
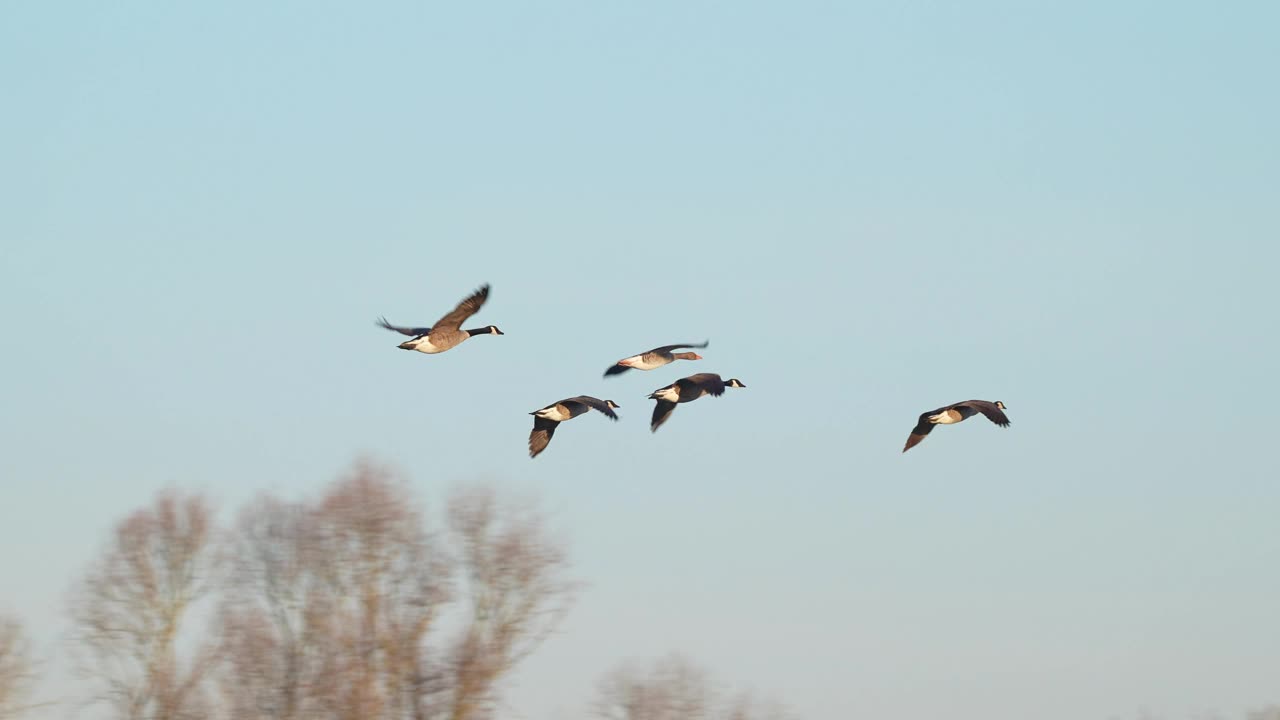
[[871, 210]]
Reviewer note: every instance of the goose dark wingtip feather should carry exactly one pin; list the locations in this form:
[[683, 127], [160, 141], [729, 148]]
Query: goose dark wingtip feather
[[913, 440], [540, 436], [382, 322], [661, 413]]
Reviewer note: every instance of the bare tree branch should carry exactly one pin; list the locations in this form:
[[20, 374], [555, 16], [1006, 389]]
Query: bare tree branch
[[332, 609], [672, 688], [129, 609], [329, 606], [518, 591], [16, 669], [340, 608]]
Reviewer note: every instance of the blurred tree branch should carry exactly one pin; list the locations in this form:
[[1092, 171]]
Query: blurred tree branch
[[129, 609], [518, 591], [672, 688], [16, 669], [333, 609]]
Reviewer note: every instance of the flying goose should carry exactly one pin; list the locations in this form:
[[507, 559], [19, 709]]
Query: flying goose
[[546, 419], [952, 414], [445, 333], [654, 358], [687, 390]]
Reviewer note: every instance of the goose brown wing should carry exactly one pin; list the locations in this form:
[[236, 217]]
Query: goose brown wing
[[543, 429], [669, 348], [993, 413], [922, 428], [711, 382], [410, 331], [661, 412], [468, 307], [595, 404]]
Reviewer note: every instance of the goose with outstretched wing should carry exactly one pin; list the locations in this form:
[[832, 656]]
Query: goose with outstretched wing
[[952, 414], [686, 390], [654, 358], [547, 419], [447, 332]]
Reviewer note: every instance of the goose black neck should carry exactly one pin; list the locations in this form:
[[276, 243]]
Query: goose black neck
[[477, 331]]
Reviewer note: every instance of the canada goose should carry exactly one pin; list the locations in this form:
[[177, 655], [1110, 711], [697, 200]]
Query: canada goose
[[687, 390], [952, 414], [654, 358], [445, 333], [546, 419]]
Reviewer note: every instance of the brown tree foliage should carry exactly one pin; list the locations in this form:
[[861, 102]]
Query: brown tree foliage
[[130, 608], [16, 674], [338, 608], [673, 688]]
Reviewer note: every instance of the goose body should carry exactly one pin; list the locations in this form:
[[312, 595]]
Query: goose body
[[687, 390], [547, 419], [654, 358], [952, 414], [446, 333]]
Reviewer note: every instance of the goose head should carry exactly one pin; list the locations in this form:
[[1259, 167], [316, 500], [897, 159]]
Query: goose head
[[735, 383], [1000, 405], [486, 330], [612, 405]]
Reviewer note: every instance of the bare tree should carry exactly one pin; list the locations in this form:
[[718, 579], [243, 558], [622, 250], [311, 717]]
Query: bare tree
[[333, 609], [129, 609], [328, 605], [673, 688], [16, 674], [747, 707], [518, 592], [273, 625]]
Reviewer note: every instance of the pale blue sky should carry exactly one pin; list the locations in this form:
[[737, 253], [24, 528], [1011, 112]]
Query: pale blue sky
[[870, 210]]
